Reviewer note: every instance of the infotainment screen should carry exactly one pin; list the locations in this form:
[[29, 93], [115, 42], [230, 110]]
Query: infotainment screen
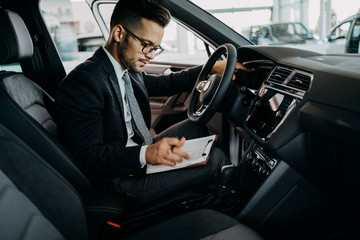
[[268, 113]]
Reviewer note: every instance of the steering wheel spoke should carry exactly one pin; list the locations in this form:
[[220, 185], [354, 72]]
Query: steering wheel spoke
[[201, 110]]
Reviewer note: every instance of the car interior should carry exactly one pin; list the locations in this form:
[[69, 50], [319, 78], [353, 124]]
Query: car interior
[[290, 129]]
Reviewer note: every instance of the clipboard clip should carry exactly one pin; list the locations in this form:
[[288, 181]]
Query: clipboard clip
[[204, 152]]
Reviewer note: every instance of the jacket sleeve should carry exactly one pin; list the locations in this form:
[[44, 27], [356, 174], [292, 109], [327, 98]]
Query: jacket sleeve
[[80, 104], [168, 85]]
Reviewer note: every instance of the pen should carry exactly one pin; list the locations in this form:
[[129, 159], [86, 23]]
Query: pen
[[203, 154]]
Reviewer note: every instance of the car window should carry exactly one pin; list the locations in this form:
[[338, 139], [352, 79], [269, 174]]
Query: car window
[[301, 24], [73, 29], [353, 46], [341, 31], [15, 67], [283, 30], [77, 34], [356, 30], [300, 29]]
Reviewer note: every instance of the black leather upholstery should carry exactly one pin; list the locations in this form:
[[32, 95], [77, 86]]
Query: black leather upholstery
[[12, 48], [36, 202], [30, 222], [23, 103], [35, 196]]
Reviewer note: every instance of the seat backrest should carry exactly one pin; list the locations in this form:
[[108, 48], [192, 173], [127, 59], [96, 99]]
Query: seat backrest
[[36, 202], [23, 104]]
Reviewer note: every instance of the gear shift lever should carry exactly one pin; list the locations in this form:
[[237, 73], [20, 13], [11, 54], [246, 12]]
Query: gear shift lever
[[226, 179]]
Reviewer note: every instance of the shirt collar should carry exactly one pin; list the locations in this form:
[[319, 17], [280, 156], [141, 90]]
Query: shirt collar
[[118, 68]]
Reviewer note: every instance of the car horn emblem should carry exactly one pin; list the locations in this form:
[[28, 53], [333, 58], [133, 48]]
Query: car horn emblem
[[203, 86]]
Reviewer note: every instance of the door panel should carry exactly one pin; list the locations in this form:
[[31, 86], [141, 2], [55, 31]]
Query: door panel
[[166, 111]]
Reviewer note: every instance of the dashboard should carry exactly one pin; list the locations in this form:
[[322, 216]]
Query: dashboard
[[304, 112]]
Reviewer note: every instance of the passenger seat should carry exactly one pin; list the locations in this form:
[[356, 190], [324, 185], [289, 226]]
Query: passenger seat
[[23, 108]]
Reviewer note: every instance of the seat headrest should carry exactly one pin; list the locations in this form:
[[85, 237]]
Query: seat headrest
[[15, 40]]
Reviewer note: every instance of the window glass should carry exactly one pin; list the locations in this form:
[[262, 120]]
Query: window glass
[[15, 67], [341, 31], [300, 29], [300, 24], [77, 35], [73, 29], [356, 31], [353, 46], [181, 46]]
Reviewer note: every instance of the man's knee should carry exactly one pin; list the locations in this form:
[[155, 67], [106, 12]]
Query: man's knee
[[219, 156]]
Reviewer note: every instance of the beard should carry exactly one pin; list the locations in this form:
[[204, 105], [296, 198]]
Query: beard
[[130, 62]]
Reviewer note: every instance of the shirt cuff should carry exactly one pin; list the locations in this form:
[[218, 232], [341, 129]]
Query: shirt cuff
[[142, 156]]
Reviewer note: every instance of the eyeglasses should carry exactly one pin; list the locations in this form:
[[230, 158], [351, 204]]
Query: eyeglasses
[[147, 49]]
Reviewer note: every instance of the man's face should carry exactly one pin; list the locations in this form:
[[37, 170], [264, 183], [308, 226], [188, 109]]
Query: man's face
[[130, 52]]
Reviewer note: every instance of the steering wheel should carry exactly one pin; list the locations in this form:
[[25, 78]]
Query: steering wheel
[[209, 91]]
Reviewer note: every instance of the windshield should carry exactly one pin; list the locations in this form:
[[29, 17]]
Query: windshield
[[324, 26]]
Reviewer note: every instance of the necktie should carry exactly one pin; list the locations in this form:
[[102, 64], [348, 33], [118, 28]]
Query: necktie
[[135, 110]]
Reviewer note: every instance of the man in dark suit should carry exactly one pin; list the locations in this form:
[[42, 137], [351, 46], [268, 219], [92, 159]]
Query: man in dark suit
[[97, 123]]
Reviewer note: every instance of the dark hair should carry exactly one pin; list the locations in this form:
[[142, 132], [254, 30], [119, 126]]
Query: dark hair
[[130, 12]]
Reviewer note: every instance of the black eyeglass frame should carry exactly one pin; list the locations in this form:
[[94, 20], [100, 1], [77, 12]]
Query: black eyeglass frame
[[156, 49]]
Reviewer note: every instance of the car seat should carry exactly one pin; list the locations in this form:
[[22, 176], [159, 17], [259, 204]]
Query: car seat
[[22, 102], [36, 202]]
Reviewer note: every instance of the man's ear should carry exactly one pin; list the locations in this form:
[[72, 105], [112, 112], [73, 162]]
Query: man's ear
[[117, 33]]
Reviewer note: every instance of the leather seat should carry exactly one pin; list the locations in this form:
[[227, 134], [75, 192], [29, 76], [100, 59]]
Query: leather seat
[[24, 104], [36, 202], [23, 110]]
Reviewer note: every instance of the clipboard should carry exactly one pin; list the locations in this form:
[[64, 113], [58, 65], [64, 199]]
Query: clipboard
[[199, 150]]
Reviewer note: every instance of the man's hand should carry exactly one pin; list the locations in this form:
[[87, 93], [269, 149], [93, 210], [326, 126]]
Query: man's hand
[[219, 67], [158, 153]]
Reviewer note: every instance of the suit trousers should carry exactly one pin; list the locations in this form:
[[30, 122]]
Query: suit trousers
[[152, 187]]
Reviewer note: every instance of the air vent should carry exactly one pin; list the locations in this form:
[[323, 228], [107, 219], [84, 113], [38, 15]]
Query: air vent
[[300, 81], [279, 75]]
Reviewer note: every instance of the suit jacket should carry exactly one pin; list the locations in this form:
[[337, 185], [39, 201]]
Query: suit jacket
[[91, 119]]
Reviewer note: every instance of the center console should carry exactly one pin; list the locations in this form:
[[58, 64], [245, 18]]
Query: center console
[[259, 161], [277, 98]]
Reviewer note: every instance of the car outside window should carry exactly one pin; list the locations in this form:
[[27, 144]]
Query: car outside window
[[73, 29], [340, 32], [353, 46], [300, 24]]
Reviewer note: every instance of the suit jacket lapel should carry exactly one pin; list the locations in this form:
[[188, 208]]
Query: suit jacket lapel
[[137, 79], [109, 69], [115, 85]]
